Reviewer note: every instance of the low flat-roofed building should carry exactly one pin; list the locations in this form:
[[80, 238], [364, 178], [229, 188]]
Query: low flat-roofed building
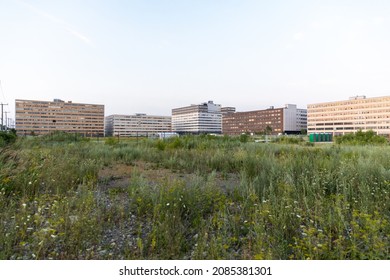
[[137, 125], [349, 116], [33, 117]]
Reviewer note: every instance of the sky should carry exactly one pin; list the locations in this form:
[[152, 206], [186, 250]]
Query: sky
[[149, 56]]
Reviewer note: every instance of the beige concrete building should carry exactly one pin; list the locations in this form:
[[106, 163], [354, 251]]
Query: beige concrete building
[[137, 125], [42, 117], [348, 116]]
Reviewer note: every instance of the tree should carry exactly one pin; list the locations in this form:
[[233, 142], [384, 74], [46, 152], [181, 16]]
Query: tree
[[244, 137], [268, 130]]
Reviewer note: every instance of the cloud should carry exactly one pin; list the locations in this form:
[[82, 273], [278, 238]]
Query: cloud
[[66, 26]]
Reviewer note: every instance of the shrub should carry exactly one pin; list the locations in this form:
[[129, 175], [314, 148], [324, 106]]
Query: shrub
[[361, 138], [244, 138], [288, 140], [61, 136], [7, 137], [111, 141], [160, 145]]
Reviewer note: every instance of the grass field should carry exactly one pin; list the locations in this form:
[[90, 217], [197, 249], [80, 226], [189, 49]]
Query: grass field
[[193, 198]]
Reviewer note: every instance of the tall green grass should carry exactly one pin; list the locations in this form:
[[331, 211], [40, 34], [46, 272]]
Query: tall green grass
[[283, 201]]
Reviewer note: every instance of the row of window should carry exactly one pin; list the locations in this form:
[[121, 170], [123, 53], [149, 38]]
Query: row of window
[[351, 102], [348, 128]]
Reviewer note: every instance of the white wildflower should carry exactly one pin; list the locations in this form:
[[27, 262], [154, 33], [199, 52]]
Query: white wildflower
[[73, 219]]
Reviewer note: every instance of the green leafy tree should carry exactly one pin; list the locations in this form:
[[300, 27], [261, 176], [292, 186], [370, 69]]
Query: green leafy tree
[[268, 130]]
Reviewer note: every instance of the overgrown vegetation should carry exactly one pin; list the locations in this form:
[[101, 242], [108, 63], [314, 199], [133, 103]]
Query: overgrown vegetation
[[289, 140], [361, 138], [7, 137], [199, 197]]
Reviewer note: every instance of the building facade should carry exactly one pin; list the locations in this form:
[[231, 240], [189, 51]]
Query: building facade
[[227, 110], [136, 125], [34, 117], [349, 116], [253, 121], [195, 119], [294, 119], [288, 119]]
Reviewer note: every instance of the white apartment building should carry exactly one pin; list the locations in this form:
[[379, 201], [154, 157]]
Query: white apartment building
[[294, 119], [195, 119], [349, 116], [136, 125]]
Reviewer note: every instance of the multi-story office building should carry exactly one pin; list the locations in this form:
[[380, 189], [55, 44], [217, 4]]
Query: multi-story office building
[[227, 110], [253, 121], [294, 119], [195, 119], [348, 116], [288, 119], [42, 117], [137, 125]]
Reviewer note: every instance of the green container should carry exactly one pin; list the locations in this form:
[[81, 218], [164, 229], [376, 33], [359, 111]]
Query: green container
[[321, 137]]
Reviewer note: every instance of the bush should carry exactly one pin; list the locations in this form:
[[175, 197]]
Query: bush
[[244, 138], [7, 137], [61, 136], [111, 141], [288, 140], [160, 144], [361, 138]]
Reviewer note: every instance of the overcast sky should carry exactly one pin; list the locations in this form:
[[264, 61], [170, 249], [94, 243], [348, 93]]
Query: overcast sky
[[149, 56]]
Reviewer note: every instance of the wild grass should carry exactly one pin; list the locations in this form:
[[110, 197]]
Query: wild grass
[[285, 201]]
